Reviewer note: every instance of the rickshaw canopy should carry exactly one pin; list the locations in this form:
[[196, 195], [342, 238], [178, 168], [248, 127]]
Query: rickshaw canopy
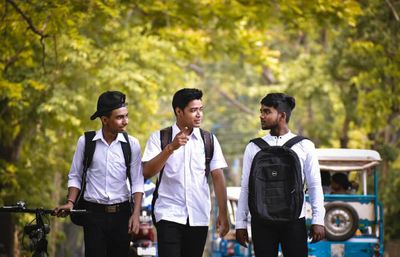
[[340, 159]]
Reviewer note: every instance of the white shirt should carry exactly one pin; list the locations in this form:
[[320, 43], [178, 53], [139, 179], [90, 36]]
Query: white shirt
[[106, 176], [184, 192], [305, 150]]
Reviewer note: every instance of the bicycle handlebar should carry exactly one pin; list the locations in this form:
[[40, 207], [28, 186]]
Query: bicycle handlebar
[[37, 231], [41, 210], [25, 210], [21, 208]]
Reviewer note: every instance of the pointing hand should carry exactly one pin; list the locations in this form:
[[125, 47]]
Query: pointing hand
[[181, 138]]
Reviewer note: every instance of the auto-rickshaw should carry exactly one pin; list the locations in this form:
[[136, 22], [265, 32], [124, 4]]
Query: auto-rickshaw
[[353, 220]]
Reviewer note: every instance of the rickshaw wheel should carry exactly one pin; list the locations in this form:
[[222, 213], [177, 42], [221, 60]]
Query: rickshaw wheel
[[341, 221]]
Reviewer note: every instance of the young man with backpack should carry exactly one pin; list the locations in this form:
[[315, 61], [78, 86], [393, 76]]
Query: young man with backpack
[[275, 168], [103, 162], [183, 156]]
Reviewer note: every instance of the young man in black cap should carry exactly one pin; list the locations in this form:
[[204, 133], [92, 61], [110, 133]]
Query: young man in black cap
[[106, 194], [268, 233]]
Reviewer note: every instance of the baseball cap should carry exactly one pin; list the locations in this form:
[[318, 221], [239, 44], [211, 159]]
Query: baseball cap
[[108, 101]]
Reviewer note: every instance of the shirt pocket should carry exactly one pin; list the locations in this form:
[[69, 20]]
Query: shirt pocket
[[117, 163], [198, 160]]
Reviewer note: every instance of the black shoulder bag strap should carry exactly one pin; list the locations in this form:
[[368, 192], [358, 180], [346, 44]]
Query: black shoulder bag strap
[[260, 143], [165, 139], [126, 149], [208, 140], [291, 142], [90, 147]]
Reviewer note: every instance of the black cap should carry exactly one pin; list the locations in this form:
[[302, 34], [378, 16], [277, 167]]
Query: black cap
[[107, 102]]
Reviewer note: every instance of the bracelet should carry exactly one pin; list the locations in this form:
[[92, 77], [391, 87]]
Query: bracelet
[[69, 200]]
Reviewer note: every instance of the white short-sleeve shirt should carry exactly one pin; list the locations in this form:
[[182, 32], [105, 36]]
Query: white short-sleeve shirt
[[184, 192]]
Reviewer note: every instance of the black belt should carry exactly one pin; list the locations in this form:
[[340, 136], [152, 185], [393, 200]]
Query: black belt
[[108, 208]]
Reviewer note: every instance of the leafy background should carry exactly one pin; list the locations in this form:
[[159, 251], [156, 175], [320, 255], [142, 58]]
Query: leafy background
[[339, 58]]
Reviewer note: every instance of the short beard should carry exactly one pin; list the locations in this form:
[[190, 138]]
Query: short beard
[[271, 127]]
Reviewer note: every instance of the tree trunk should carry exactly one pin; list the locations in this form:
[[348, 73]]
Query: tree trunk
[[55, 223], [6, 235], [344, 138], [16, 244]]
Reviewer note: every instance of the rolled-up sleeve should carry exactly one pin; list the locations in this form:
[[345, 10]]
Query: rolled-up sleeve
[[243, 206], [76, 170], [136, 167], [313, 181]]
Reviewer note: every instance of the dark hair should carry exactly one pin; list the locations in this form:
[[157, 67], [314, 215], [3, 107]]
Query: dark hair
[[280, 101], [183, 96], [342, 180]]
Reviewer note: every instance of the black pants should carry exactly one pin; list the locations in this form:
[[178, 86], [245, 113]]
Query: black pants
[[291, 235], [106, 234], [177, 240]]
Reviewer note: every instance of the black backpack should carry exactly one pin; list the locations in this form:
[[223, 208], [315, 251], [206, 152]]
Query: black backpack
[[166, 138], [276, 188], [90, 147]]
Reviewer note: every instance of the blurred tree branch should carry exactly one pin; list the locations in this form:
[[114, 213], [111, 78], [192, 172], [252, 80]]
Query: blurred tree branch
[[393, 9]]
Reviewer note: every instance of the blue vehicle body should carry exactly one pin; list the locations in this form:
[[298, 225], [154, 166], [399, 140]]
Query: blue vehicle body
[[353, 222]]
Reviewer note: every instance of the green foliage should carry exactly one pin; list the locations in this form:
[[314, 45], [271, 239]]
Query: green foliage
[[392, 210], [340, 59]]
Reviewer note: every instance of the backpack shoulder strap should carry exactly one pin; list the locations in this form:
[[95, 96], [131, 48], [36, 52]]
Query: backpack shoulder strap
[[165, 137], [291, 142], [260, 143], [90, 147], [208, 140], [126, 149]]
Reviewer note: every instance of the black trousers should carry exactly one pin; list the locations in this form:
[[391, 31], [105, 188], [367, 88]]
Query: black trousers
[[106, 234], [291, 235], [177, 240]]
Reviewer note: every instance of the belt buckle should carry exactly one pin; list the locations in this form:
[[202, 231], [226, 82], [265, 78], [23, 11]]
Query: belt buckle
[[111, 208]]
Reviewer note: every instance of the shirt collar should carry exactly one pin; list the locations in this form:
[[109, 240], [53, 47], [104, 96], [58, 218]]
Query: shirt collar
[[99, 135], [286, 136]]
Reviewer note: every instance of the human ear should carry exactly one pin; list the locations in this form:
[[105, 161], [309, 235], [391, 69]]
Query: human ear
[[104, 119], [282, 116], [179, 112]]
